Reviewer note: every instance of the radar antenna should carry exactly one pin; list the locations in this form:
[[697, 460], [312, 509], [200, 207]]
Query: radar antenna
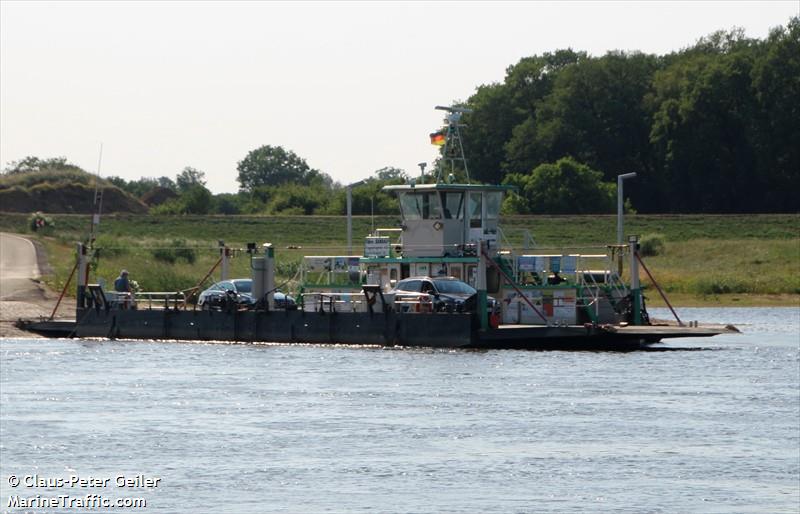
[[453, 148]]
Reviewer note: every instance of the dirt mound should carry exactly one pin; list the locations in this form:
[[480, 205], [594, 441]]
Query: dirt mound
[[74, 198]]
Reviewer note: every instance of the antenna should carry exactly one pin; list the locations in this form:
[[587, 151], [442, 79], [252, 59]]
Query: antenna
[[454, 109], [453, 148]]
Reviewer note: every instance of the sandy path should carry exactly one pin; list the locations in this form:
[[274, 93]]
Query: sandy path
[[22, 295]]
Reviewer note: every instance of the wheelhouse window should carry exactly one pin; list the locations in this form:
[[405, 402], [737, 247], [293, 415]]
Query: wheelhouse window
[[453, 205], [431, 208], [475, 207], [416, 206], [411, 206], [494, 200]]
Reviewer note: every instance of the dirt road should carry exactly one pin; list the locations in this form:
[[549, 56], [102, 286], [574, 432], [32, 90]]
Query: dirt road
[[22, 295]]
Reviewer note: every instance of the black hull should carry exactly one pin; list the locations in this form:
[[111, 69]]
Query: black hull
[[445, 330], [390, 329]]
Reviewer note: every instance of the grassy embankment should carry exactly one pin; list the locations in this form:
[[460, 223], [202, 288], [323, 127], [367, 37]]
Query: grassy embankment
[[730, 259]]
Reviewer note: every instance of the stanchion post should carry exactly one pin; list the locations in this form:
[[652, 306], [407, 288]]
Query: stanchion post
[[83, 273], [480, 285], [269, 274], [636, 291], [224, 254]]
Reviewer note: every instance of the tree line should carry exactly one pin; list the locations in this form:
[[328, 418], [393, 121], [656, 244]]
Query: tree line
[[272, 179], [714, 127]]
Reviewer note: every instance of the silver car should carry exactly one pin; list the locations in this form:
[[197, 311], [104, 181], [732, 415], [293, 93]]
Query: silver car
[[240, 292]]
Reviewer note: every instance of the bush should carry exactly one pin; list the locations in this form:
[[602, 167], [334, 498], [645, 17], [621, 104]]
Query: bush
[[226, 203], [164, 255], [184, 252], [651, 245], [196, 200], [564, 187], [170, 207], [176, 250], [38, 221]]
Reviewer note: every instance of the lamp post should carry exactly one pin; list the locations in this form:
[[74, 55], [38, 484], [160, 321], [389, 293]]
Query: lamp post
[[620, 200]]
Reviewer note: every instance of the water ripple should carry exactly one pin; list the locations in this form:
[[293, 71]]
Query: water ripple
[[694, 425]]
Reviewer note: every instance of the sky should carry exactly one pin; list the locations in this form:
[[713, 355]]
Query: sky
[[348, 86]]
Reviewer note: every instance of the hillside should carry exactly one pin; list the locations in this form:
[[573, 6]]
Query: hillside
[[62, 191]]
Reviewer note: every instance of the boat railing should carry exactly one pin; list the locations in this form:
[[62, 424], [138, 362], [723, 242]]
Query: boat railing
[[504, 242], [317, 301], [592, 302], [413, 302], [528, 242], [358, 302], [160, 299], [120, 300], [617, 286], [388, 232]]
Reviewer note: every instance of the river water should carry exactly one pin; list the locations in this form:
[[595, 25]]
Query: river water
[[713, 426]]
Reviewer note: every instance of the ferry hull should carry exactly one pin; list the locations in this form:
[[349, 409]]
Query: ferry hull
[[445, 330], [384, 329]]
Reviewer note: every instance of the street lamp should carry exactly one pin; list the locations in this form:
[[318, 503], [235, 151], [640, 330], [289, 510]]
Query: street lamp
[[620, 178]]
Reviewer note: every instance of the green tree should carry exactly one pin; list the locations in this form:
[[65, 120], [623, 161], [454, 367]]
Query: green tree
[[297, 199], [167, 183], [136, 188], [390, 173], [501, 109], [777, 142], [563, 187], [196, 200], [273, 165], [703, 128], [227, 203], [143, 185], [188, 178], [595, 113], [119, 182]]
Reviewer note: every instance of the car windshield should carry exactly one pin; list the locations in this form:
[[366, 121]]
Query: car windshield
[[409, 285], [243, 286], [454, 287]]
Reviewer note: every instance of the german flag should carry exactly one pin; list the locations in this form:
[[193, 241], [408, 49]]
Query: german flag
[[437, 138]]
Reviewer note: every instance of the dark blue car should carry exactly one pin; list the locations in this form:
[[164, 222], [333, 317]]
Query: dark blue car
[[446, 294]]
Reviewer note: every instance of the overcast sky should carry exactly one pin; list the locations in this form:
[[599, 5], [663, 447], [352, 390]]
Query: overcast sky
[[350, 87]]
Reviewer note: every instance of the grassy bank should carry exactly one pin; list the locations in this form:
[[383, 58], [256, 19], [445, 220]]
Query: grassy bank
[[705, 259]]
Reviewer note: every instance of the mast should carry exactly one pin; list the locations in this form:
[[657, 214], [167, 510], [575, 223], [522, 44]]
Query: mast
[[97, 207], [453, 148]]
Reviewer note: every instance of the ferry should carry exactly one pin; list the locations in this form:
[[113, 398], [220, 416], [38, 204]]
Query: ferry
[[523, 299]]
